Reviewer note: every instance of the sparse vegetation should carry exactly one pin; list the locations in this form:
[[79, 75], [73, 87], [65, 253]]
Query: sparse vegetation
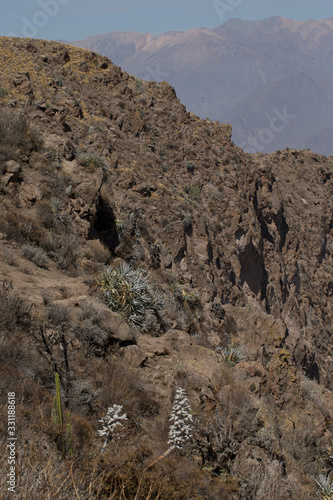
[[97, 251], [120, 228], [36, 255], [138, 85], [185, 296], [194, 192], [188, 222], [92, 162]]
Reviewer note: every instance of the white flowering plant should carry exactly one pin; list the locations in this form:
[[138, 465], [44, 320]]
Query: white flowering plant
[[112, 419], [181, 418], [181, 426]]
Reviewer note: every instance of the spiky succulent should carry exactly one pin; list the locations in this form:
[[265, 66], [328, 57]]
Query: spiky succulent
[[129, 291], [230, 355], [325, 486]]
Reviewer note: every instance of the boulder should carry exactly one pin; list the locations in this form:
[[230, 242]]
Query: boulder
[[133, 355]]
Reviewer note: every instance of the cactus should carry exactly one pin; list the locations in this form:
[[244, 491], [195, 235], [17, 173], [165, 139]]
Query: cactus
[[57, 414], [65, 445], [69, 435]]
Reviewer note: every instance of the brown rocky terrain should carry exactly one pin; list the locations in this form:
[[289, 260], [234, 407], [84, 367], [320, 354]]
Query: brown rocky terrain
[[241, 72], [99, 168]]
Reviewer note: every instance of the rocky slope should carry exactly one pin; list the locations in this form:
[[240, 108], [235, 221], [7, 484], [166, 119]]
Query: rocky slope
[[100, 168], [221, 73]]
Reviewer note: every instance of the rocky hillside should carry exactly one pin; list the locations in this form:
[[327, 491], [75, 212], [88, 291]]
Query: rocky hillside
[[241, 72], [142, 251]]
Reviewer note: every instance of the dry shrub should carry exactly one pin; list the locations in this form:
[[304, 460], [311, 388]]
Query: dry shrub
[[7, 152], [261, 478], [50, 243], [67, 256], [303, 442], [317, 394], [20, 362], [55, 184], [238, 410], [95, 250], [9, 256], [16, 132], [58, 315], [91, 333], [93, 337], [63, 249], [14, 313], [117, 384], [45, 214], [19, 228], [41, 472], [124, 474], [82, 433], [36, 255]]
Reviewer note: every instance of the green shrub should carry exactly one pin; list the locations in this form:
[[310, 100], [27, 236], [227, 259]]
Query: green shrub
[[138, 86], [92, 162], [185, 296], [194, 192], [128, 291]]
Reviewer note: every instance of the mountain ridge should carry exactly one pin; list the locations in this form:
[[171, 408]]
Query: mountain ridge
[[214, 70]]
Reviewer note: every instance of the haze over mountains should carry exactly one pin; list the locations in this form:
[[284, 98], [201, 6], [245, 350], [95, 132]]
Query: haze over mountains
[[272, 79]]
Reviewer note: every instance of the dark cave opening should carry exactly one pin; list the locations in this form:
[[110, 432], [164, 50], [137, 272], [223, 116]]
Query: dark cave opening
[[104, 226]]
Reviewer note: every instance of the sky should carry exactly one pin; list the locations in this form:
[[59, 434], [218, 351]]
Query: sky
[[77, 19]]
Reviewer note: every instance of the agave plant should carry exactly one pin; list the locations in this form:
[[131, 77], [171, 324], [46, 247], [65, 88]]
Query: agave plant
[[325, 486], [129, 291], [230, 355]]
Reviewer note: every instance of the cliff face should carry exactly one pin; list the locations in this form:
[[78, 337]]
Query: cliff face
[[107, 169]]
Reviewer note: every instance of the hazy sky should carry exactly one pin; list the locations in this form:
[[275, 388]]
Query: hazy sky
[[77, 19]]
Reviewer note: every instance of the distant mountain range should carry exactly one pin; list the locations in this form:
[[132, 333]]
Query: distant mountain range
[[272, 79]]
